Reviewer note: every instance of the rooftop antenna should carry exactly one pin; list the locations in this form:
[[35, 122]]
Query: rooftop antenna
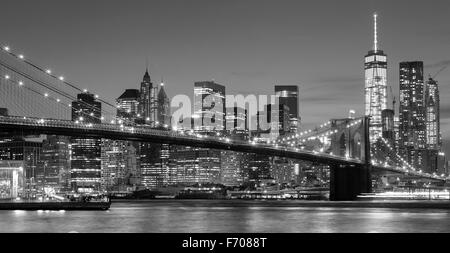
[[375, 42]]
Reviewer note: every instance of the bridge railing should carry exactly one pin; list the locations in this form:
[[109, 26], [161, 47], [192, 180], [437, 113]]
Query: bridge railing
[[145, 130]]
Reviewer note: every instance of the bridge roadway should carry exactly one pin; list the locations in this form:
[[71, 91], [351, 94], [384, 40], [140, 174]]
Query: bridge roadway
[[26, 125]]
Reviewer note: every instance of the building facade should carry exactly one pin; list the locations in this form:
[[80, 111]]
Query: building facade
[[412, 114], [85, 158], [128, 105], [375, 66], [289, 96]]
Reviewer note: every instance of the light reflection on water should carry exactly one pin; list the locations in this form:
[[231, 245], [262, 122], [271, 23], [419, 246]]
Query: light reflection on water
[[226, 216]]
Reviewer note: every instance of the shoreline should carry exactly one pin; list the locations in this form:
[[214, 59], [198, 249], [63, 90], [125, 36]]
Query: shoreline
[[389, 204]]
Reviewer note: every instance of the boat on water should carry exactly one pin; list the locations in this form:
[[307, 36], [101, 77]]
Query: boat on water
[[74, 202], [56, 206]]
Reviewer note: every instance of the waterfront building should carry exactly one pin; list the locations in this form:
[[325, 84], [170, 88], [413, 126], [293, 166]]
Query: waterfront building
[[375, 87], [202, 165], [25, 154], [86, 152], [155, 170], [234, 164], [55, 162], [119, 165], [12, 179]]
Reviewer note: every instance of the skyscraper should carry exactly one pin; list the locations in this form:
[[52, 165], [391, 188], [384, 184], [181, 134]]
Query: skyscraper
[[86, 152], [147, 100], [432, 103], [375, 87], [56, 158], [163, 107], [154, 110], [288, 95], [128, 105], [203, 165], [205, 109], [412, 132], [434, 156]]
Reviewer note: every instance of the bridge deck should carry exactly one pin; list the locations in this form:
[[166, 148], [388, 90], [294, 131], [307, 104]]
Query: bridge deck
[[141, 133]]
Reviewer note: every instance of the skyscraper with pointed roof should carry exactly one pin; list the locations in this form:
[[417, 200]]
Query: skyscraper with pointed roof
[[163, 103], [147, 100], [375, 86]]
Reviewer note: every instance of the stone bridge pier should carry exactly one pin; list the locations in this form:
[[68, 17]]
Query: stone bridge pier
[[352, 141]]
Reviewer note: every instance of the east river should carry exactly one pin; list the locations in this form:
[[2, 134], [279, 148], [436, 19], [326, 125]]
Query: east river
[[202, 216]]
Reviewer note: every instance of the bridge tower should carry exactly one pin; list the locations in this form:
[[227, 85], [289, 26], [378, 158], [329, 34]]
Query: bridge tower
[[352, 140]]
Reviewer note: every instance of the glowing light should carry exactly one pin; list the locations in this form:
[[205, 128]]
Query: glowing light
[[58, 100], [85, 90], [48, 71], [375, 42], [61, 78], [46, 94], [21, 56], [6, 48], [20, 83], [7, 77]]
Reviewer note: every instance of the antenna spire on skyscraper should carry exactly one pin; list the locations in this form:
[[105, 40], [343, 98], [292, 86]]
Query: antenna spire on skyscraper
[[375, 42]]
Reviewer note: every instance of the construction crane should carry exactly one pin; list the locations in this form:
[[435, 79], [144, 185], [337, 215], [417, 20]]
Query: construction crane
[[441, 70], [394, 99]]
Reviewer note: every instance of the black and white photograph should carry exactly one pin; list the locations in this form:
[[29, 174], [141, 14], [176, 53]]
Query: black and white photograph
[[210, 117]]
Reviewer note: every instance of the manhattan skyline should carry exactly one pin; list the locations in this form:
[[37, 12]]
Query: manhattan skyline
[[248, 46]]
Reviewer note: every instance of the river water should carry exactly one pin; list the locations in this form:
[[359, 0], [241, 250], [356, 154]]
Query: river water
[[201, 216]]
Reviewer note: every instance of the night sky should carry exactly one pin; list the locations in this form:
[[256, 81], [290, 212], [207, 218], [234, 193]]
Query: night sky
[[246, 45]]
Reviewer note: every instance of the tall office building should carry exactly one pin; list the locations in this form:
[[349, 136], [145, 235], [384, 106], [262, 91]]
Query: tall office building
[[233, 164], [86, 152], [288, 95], [120, 162], [128, 105], [432, 103], [202, 165], [209, 115], [147, 100], [375, 87], [412, 139], [435, 159], [154, 109], [163, 107], [55, 159], [237, 123]]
